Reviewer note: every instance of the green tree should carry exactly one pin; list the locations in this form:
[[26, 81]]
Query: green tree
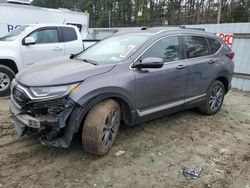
[[154, 12], [103, 20], [54, 3], [239, 13]]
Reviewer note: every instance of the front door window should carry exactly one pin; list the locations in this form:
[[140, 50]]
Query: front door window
[[168, 49]]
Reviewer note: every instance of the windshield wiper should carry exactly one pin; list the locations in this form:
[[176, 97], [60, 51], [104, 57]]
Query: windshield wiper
[[90, 61]]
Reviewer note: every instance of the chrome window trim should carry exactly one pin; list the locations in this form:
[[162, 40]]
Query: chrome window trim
[[184, 34], [148, 111]]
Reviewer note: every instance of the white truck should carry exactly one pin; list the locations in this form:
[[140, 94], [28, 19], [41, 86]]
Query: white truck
[[36, 43]]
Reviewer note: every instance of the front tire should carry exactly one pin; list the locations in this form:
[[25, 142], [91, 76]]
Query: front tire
[[6, 76], [214, 99], [101, 127]]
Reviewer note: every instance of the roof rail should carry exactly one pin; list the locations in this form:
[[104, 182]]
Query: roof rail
[[184, 27]]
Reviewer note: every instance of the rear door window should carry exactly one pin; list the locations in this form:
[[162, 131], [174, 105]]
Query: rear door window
[[196, 46], [79, 26], [48, 35], [69, 34], [167, 48], [214, 45]]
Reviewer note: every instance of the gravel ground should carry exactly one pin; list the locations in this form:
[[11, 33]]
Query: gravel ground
[[155, 153]]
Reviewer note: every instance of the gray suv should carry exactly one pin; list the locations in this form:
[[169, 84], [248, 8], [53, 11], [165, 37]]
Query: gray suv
[[125, 79]]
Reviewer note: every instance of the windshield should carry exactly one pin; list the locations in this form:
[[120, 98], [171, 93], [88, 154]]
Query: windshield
[[13, 35], [114, 49]]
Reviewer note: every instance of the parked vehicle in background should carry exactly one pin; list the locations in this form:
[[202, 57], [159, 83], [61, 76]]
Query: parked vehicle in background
[[129, 78], [37, 43], [15, 15]]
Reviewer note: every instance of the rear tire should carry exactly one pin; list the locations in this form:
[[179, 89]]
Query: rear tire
[[6, 76], [214, 99], [101, 127]]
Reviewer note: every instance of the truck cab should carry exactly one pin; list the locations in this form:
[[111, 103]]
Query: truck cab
[[36, 43]]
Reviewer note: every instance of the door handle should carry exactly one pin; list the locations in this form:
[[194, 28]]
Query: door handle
[[211, 61], [180, 67], [57, 49]]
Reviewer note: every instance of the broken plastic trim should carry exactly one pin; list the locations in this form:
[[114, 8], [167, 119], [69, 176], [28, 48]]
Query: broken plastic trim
[[65, 140], [63, 116]]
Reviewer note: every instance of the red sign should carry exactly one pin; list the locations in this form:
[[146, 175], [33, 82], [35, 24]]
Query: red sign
[[228, 38]]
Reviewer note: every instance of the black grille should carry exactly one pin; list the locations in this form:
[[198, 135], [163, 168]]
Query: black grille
[[20, 96], [43, 107], [49, 104]]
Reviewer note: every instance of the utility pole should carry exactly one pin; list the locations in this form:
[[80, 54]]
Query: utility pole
[[109, 19], [248, 14], [219, 11]]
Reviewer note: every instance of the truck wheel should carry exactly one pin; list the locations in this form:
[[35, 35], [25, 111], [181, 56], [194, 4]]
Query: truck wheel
[[6, 76], [214, 99], [101, 127]]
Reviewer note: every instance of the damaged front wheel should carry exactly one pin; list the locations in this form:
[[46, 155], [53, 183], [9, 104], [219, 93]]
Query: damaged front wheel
[[101, 127]]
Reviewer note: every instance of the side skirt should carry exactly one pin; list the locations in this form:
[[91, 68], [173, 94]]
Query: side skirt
[[162, 110]]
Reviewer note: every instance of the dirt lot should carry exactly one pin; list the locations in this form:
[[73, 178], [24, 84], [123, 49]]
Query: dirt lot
[[155, 153]]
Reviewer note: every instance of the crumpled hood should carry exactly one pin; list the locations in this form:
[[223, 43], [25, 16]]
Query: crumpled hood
[[59, 72]]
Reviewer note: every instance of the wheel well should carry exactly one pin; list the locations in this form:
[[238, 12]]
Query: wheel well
[[10, 64], [126, 112], [225, 82], [126, 115]]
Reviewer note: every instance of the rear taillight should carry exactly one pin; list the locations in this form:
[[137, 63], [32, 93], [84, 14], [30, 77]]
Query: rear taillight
[[230, 54]]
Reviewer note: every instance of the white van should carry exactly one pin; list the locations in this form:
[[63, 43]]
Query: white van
[[15, 15]]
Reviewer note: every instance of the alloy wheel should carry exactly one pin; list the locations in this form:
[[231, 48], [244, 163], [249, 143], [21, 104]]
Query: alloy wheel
[[4, 81], [216, 98], [110, 127]]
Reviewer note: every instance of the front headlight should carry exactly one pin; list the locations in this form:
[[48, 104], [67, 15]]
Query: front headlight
[[53, 91]]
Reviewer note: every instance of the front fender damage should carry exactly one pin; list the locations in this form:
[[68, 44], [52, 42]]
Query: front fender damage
[[64, 122], [50, 121], [73, 122]]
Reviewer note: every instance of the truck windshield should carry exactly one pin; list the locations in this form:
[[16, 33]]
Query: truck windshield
[[114, 49], [13, 35]]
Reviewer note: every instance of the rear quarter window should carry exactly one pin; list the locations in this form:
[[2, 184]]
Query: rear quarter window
[[215, 45], [69, 34], [227, 48], [196, 46], [77, 25]]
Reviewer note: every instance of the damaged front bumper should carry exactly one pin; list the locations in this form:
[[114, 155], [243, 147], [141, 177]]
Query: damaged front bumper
[[36, 118]]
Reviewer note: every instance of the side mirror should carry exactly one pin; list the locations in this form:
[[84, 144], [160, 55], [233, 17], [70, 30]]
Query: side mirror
[[29, 41], [150, 62]]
